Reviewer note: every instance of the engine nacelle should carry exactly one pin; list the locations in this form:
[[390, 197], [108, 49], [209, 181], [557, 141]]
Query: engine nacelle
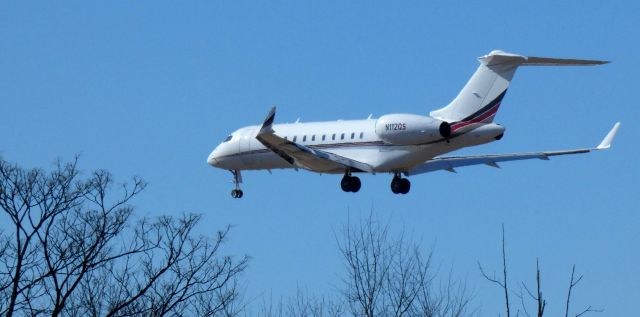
[[411, 129]]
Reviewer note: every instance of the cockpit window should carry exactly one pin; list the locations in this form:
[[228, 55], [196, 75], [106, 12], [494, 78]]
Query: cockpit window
[[228, 138]]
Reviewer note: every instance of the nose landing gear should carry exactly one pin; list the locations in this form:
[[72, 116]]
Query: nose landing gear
[[350, 183], [237, 179], [400, 185]]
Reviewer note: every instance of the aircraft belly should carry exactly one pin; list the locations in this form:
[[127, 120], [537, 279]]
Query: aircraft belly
[[367, 155], [400, 158], [264, 160], [404, 158]]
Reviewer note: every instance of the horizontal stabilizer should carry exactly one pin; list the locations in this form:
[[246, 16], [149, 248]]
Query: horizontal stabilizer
[[549, 61]]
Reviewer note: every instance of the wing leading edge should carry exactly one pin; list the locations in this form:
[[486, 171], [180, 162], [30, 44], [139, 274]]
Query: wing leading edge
[[302, 156], [450, 163]]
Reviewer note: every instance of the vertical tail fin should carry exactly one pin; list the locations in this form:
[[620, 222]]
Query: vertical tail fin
[[480, 98]]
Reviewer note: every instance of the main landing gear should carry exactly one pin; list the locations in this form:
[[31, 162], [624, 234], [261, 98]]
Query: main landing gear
[[350, 183], [237, 179], [400, 185]]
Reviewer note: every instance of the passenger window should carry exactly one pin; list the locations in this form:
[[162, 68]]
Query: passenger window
[[285, 138], [333, 137], [294, 138], [323, 137], [361, 135], [353, 135], [304, 138], [342, 136], [313, 137]]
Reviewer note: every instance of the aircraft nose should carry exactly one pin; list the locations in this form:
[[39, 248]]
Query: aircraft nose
[[212, 160]]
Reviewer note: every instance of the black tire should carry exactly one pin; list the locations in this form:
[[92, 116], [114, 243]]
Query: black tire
[[345, 184], [354, 184], [236, 193], [396, 185], [405, 186]]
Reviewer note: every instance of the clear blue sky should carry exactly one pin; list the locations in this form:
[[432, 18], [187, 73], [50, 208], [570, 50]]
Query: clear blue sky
[[150, 87]]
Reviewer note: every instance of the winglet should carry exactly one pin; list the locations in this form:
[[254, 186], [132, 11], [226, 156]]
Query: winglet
[[606, 142], [268, 122]]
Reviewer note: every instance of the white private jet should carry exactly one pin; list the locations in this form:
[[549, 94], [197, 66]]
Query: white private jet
[[400, 144]]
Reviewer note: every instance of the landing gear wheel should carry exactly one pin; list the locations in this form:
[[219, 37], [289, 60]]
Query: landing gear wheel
[[345, 184], [350, 184], [400, 185], [355, 184], [236, 193], [396, 187], [405, 186]]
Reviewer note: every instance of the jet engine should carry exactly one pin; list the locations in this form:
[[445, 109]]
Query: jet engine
[[411, 129]]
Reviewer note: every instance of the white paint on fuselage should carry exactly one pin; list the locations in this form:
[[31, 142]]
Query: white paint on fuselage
[[355, 139]]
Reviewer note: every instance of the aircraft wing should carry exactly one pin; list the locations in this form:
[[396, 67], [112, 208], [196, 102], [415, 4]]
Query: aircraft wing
[[302, 156], [450, 163]]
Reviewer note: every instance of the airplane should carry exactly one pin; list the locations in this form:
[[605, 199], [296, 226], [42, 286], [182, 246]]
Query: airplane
[[399, 144]]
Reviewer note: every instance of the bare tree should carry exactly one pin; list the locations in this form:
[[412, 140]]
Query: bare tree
[[541, 303], [74, 250], [502, 283], [391, 277], [572, 283], [302, 305], [306, 305], [384, 277]]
